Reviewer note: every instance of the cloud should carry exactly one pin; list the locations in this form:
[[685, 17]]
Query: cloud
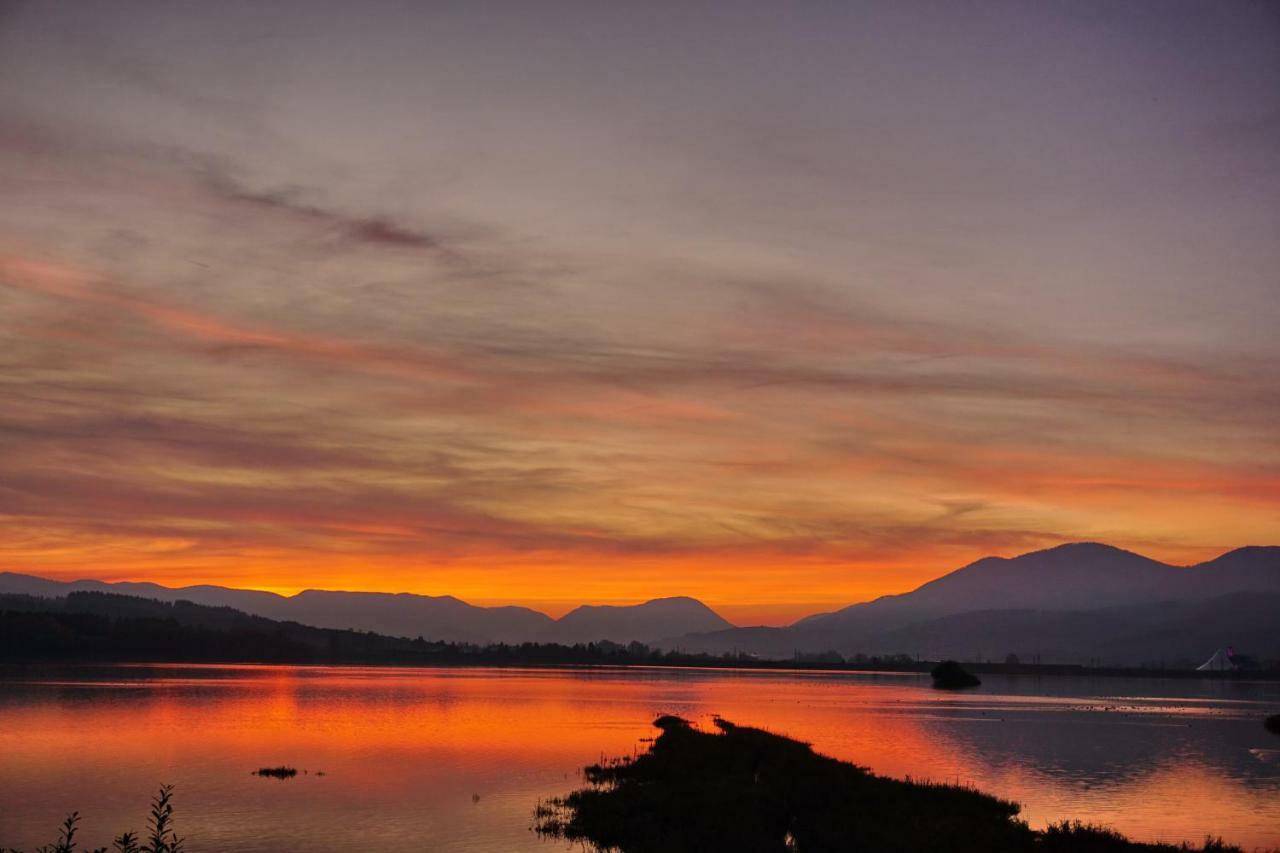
[[275, 375], [376, 231], [69, 283]]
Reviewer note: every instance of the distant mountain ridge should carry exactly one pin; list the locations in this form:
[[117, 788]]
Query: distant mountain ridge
[[1114, 601], [661, 617], [411, 615], [1077, 576], [1075, 602]]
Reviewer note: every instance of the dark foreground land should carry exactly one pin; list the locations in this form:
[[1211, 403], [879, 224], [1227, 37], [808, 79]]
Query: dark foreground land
[[750, 791]]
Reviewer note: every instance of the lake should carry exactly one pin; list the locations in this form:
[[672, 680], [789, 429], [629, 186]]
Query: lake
[[456, 759]]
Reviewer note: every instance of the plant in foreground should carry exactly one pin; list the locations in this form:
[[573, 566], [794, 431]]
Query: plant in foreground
[[161, 837]]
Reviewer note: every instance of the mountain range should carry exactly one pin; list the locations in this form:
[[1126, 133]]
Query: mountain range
[[1076, 602], [1072, 603], [408, 615]]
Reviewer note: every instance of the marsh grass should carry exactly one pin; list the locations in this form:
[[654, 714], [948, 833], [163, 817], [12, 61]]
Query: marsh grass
[[1076, 837], [750, 791]]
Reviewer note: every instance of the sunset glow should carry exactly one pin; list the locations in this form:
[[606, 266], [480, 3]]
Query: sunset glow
[[399, 739], [522, 331]]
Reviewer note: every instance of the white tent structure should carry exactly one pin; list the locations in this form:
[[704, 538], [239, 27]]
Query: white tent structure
[[1220, 662]]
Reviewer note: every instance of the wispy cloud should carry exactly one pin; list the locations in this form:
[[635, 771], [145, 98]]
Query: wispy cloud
[[378, 231], [705, 326]]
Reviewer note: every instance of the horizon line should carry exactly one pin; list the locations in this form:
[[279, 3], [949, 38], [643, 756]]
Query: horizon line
[[566, 606]]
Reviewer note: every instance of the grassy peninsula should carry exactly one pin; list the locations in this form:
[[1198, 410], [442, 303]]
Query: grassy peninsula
[[750, 791]]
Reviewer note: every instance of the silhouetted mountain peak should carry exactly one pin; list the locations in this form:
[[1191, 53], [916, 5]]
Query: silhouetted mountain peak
[[673, 602], [983, 605], [1078, 577], [441, 617], [1247, 552], [646, 622], [1079, 549], [1067, 555]]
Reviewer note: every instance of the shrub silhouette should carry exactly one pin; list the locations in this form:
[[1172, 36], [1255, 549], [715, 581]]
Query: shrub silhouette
[[950, 675], [280, 772], [160, 836]]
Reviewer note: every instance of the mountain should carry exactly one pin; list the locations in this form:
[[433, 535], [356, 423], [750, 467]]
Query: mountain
[[86, 626], [1251, 567], [653, 620], [1080, 576], [409, 615], [1070, 603], [249, 600], [399, 615], [1179, 634], [406, 615]]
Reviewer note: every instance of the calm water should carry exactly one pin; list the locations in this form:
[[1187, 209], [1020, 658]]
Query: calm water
[[456, 759]]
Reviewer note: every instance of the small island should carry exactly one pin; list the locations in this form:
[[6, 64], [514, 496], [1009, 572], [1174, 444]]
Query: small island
[[281, 772], [950, 675]]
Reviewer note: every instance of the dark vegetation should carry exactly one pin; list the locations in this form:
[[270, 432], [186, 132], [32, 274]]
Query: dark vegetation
[[107, 627], [96, 626], [161, 837], [1272, 724], [280, 772], [750, 791], [950, 675], [87, 627]]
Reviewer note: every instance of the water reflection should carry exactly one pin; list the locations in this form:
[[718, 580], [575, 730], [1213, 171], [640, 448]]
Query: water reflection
[[455, 759]]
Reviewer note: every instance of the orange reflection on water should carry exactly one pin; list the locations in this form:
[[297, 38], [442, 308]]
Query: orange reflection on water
[[458, 758]]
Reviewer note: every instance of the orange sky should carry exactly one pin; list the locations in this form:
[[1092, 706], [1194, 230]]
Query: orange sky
[[438, 313]]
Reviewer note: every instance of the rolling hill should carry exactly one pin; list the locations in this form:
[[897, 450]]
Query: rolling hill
[[661, 617], [408, 615], [1073, 603], [1067, 604]]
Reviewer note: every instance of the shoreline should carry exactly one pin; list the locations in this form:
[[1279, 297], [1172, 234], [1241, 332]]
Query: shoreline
[[920, 668], [755, 791]]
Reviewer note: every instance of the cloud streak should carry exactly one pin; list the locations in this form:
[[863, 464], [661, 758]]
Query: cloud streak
[[802, 333], [377, 231]]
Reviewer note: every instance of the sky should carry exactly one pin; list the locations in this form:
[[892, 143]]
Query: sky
[[782, 306]]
